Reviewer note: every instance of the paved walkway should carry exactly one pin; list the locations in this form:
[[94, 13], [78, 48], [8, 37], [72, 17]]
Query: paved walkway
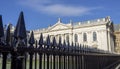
[[118, 67], [115, 65]]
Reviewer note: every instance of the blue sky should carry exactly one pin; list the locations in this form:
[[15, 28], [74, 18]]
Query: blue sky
[[42, 13]]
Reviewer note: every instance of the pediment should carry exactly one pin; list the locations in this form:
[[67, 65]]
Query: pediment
[[59, 26]]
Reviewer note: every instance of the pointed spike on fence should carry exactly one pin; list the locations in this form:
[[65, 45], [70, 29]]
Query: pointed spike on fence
[[1, 27], [87, 46], [31, 40], [59, 41], [8, 36], [64, 43], [20, 28], [41, 39], [80, 47], [83, 46], [48, 41], [77, 46], [54, 42], [68, 43], [72, 43]]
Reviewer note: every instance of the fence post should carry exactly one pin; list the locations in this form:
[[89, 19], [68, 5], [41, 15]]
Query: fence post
[[82, 58], [2, 44], [13, 58], [68, 46], [64, 54], [4, 60], [47, 49], [54, 45], [76, 65], [60, 47], [72, 55], [40, 48], [31, 49], [5, 52], [20, 35], [36, 54]]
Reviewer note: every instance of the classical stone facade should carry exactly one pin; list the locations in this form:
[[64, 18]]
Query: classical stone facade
[[95, 33], [117, 41], [117, 37]]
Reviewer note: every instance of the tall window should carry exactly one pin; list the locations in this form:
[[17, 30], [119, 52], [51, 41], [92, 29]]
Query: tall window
[[94, 36], [84, 37], [76, 38], [67, 37]]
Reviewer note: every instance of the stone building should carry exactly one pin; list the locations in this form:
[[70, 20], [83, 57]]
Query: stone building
[[96, 33], [117, 37]]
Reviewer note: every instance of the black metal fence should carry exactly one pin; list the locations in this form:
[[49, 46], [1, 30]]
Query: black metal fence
[[51, 55]]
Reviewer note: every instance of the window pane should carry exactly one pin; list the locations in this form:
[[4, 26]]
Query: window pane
[[76, 38], [84, 37], [94, 36]]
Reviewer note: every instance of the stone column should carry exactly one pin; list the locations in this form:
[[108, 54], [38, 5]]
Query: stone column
[[108, 34]]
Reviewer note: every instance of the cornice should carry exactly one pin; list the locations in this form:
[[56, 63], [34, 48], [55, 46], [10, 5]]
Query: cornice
[[88, 25]]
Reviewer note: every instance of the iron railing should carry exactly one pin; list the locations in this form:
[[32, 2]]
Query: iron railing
[[47, 54]]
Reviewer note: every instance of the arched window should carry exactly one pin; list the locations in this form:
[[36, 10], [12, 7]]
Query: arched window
[[84, 37], [76, 38], [67, 38], [94, 36]]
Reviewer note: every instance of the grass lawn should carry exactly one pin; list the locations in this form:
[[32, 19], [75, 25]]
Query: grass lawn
[[9, 64], [27, 67]]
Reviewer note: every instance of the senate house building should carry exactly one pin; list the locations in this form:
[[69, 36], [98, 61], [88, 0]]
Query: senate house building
[[98, 33]]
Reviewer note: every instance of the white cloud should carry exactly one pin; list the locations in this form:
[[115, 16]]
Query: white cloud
[[48, 7]]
